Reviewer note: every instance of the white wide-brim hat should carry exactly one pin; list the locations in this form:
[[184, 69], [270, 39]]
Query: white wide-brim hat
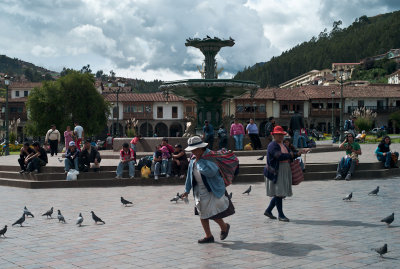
[[195, 142]]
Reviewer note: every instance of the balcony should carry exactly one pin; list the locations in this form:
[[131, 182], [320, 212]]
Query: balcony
[[138, 115], [15, 115], [324, 112], [248, 115], [377, 109]]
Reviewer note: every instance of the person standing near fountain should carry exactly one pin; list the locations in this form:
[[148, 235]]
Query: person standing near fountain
[[237, 131], [252, 131], [208, 134]]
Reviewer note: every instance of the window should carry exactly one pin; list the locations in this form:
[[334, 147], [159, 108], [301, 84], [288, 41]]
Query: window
[[16, 93], [147, 108], [318, 105], [160, 112], [360, 103], [285, 108], [115, 112], [261, 108], [139, 108], [174, 112], [26, 93], [189, 109], [239, 108]]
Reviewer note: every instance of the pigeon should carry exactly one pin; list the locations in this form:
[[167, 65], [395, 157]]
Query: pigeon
[[261, 158], [374, 192], [48, 213], [208, 36], [60, 160], [247, 191], [382, 250], [96, 218], [79, 220], [230, 196], [60, 216], [3, 231], [27, 212], [348, 197], [388, 219], [176, 198], [125, 202], [20, 220]]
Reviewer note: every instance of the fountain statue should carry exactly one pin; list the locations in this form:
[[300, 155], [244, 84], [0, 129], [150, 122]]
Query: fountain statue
[[209, 92]]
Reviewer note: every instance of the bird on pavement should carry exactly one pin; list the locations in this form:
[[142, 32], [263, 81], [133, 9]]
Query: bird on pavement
[[3, 231], [60, 217], [20, 220], [374, 192], [389, 219], [48, 213], [176, 198], [247, 191], [348, 197], [79, 220], [96, 218], [382, 250], [230, 196], [27, 212], [261, 158], [60, 160], [125, 202]]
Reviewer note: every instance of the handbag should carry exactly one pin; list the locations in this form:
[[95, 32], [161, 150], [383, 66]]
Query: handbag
[[297, 173]]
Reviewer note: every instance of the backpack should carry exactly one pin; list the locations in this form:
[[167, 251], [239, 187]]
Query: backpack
[[227, 162], [346, 125]]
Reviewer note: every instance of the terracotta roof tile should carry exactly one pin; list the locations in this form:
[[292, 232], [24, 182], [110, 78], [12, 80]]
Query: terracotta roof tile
[[142, 97], [25, 85], [267, 93], [295, 94]]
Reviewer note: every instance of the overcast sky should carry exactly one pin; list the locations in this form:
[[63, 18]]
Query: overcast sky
[[146, 38]]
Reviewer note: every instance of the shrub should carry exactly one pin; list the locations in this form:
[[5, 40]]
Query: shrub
[[365, 118]]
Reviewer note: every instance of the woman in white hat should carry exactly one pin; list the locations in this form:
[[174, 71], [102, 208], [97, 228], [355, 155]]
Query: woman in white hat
[[211, 199]]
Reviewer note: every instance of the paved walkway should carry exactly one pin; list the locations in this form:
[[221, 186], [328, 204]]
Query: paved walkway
[[324, 232]]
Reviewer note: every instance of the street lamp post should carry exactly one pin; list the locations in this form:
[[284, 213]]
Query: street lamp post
[[117, 91], [341, 73], [147, 120], [333, 124], [7, 149]]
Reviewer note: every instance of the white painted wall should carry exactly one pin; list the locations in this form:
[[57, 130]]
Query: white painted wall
[[276, 109], [167, 110], [306, 109], [367, 101], [121, 111], [21, 93]]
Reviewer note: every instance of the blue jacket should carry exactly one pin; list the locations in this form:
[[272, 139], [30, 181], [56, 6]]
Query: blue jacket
[[274, 156], [209, 173]]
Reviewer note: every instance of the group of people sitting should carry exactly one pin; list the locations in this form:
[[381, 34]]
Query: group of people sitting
[[347, 164], [33, 158]]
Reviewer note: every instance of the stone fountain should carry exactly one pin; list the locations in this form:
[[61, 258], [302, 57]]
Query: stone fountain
[[209, 92]]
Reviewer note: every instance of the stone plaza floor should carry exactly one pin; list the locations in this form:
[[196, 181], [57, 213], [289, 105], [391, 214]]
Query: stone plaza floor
[[324, 231]]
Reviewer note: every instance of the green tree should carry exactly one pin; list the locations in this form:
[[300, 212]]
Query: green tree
[[72, 97]]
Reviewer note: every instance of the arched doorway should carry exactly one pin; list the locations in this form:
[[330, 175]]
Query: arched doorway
[[114, 129], [146, 130], [175, 130], [161, 129]]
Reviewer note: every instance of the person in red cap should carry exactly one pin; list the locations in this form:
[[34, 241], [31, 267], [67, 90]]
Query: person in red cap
[[278, 175]]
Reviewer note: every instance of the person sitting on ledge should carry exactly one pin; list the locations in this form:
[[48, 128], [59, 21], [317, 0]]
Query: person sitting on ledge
[[127, 157], [157, 159], [348, 163], [384, 155], [179, 162], [37, 160], [71, 157], [89, 155], [26, 151]]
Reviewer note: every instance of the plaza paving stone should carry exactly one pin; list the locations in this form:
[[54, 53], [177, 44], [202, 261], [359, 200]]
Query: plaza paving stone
[[324, 232]]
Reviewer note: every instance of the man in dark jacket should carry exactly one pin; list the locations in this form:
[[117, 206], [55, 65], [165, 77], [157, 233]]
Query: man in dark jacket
[[268, 129], [296, 124], [71, 157], [36, 160], [89, 155]]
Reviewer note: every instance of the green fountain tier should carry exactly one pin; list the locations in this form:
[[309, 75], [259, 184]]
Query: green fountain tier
[[209, 94]]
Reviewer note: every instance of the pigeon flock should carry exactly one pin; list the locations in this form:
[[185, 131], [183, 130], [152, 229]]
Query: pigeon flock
[[60, 217], [388, 220]]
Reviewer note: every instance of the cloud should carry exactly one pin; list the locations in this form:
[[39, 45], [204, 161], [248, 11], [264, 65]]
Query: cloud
[[147, 37]]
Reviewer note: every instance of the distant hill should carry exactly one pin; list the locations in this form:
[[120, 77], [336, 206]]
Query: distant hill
[[367, 36], [17, 68]]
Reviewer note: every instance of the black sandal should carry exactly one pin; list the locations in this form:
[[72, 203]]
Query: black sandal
[[206, 240], [225, 234]]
